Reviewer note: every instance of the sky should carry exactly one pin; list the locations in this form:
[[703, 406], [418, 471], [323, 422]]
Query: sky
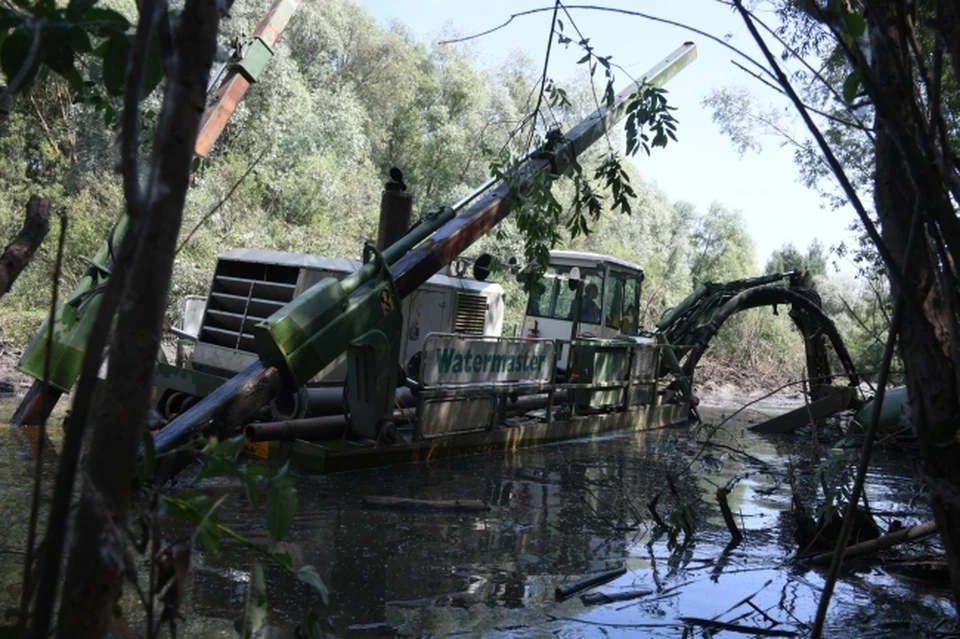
[[704, 166]]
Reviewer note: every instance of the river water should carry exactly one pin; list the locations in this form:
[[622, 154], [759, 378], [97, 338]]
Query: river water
[[558, 513]]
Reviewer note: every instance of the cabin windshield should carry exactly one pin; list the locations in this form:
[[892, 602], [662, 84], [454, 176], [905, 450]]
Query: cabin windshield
[[553, 298], [623, 301]]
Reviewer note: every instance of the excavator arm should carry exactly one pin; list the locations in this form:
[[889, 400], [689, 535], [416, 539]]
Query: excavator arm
[[74, 318]]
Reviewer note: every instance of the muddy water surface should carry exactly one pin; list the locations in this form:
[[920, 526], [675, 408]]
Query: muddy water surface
[[558, 513]]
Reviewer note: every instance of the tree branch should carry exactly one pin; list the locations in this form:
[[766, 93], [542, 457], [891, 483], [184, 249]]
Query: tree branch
[[122, 412], [894, 271], [76, 423], [17, 254]]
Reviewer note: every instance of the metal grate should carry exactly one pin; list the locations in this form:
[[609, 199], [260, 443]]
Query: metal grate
[[643, 368], [243, 294], [471, 314]]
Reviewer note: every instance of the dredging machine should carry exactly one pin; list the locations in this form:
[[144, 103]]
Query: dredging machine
[[412, 361]]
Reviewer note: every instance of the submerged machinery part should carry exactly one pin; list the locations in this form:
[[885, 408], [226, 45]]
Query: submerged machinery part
[[327, 426], [770, 296]]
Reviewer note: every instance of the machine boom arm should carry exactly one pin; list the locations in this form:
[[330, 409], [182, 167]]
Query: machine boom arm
[[74, 319]]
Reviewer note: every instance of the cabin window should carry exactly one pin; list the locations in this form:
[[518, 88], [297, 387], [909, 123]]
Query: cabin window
[[623, 302], [552, 298]]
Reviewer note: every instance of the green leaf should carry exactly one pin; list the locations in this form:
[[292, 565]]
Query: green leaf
[[61, 60], [115, 65], [255, 608], [851, 86], [310, 626], [856, 25], [230, 447], [78, 40], [283, 559], [210, 536], [281, 504], [309, 576], [14, 54], [190, 508]]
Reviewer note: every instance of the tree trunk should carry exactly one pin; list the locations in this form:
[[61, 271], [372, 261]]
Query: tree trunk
[[97, 562], [18, 253], [924, 340]]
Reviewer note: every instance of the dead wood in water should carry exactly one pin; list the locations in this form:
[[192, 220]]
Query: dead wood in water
[[565, 592], [595, 598], [17, 255], [735, 533], [465, 505], [880, 543], [710, 624]]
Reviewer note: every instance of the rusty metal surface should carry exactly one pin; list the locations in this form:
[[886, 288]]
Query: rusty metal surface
[[225, 99]]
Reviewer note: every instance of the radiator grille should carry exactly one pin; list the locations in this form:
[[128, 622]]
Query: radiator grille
[[243, 294], [645, 362], [471, 314]]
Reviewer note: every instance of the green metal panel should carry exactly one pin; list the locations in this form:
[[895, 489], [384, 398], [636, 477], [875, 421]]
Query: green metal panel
[[599, 362], [255, 59], [314, 329], [73, 321], [185, 381]]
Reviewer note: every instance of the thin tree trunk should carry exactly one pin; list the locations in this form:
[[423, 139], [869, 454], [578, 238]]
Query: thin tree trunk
[[18, 253], [924, 340], [97, 563]]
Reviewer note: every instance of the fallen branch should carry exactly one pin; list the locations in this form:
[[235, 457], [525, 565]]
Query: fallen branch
[[735, 533], [880, 543], [596, 598], [565, 592], [17, 255], [732, 627], [469, 505]]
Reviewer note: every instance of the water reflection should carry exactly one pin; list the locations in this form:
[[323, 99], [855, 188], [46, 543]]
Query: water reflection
[[557, 513]]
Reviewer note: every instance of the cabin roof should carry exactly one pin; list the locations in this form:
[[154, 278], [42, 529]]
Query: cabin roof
[[575, 257], [337, 265]]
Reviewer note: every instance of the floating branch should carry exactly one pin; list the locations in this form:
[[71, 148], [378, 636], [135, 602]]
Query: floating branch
[[597, 598], [732, 627], [901, 536], [565, 592]]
